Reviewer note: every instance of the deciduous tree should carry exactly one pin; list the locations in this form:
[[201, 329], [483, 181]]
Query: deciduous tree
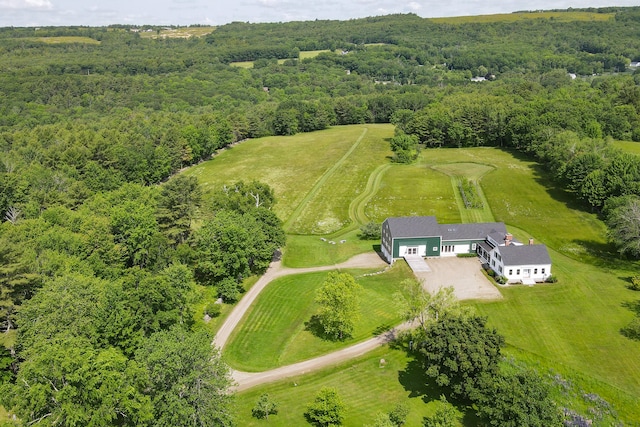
[[446, 415], [264, 407], [339, 305], [188, 383], [420, 305], [461, 353], [624, 227], [521, 398], [326, 409]]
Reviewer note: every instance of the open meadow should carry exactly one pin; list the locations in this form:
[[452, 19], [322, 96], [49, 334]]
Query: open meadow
[[562, 16], [178, 32], [572, 326], [304, 54]]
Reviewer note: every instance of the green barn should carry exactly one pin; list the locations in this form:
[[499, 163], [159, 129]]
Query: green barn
[[422, 236]]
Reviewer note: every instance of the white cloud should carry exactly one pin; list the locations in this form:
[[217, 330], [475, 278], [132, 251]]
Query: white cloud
[[26, 4], [269, 3], [415, 6]]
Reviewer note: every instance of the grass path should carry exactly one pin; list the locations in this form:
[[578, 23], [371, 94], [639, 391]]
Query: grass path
[[473, 172], [358, 204], [318, 185]]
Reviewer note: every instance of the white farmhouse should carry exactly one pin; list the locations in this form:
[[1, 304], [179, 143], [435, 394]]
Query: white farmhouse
[[422, 236]]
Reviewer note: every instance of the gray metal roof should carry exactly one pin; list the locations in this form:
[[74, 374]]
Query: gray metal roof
[[427, 226], [524, 255], [478, 231], [413, 226]]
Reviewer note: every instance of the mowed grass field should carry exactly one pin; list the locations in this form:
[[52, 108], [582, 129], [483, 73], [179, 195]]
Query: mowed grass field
[[304, 54], [573, 325], [632, 147], [522, 16], [275, 331], [365, 386], [65, 39], [178, 33]]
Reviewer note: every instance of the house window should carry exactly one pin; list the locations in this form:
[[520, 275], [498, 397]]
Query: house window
[[543, 271], [493, 262], [473, 246], [500, 269], [535, 271], [435, 249], [510, 271], [517, 272]]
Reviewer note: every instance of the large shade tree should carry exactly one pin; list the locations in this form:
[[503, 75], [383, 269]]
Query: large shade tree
[[339, 305], [462, 354], [188, 382]]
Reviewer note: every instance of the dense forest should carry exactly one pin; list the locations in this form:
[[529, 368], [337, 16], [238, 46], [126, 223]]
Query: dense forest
[[91, 123]]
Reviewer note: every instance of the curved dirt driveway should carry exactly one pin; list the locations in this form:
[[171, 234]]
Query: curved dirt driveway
[[275, 270], [246, 380], [447, 272]]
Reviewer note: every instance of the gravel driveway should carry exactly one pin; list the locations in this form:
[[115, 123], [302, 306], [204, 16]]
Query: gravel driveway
[[464, 274]]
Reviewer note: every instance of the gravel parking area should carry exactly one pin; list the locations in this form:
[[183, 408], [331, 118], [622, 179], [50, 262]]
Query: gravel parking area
[[464, 274]]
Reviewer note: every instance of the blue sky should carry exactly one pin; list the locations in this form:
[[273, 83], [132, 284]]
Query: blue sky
[[20, 13]]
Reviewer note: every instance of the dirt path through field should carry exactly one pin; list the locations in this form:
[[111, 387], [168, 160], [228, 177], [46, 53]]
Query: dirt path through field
[[316, 187]]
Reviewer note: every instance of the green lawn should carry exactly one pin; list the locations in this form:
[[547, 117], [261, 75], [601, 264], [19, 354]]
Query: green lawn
[[242, 64], [408, 190], [312, 251], [364, 385], [326, 208], [178, 33], [473, 172], [303, 55], [628, 146], [274, 332], [574, 323]]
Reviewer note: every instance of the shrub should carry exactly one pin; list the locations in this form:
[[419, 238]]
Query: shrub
[[370, 231], [502, 279], [467, 255], [398, 415], [632, 330], [551, 279], [635, 283], [213, 309]]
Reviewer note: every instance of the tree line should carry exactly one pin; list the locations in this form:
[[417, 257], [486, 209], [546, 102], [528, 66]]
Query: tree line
[[102, 297]]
